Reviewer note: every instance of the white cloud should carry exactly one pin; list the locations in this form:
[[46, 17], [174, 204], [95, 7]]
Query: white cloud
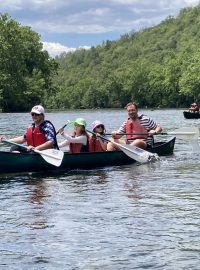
[[55, 49], [96, 12], [100, 16], [79, 28], [90, 17], [32, 4], [160, 3]]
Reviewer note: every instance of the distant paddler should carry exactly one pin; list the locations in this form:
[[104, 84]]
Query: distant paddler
[[194, 107]]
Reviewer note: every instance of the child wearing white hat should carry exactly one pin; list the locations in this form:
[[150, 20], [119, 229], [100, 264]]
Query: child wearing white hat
[[96, 141]]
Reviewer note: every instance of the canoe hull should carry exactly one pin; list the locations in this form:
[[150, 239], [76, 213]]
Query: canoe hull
[[189, 115], [23, 162]]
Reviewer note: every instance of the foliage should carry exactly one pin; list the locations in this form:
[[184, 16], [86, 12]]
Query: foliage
[[25, 70], [156, 67]]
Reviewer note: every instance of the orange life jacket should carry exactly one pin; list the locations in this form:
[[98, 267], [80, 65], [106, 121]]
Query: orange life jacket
[[94, 145], [35, 137], [75, 148], [134, 126], [78, 148]]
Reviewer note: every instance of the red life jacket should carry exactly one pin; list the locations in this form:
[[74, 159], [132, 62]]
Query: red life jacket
[[94, 145], [35, 137], [75, 148], [134, 126]]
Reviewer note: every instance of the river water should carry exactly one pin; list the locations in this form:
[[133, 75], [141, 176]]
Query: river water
[[127, 217]]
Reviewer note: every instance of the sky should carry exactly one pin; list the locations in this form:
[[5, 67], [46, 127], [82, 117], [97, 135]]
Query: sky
[[66, 25]]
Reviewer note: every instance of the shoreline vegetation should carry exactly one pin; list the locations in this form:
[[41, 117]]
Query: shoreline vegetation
[[97, 109], [157, 67]]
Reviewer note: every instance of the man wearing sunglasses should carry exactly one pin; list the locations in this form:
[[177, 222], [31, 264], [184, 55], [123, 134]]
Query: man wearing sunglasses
[[40, 135]]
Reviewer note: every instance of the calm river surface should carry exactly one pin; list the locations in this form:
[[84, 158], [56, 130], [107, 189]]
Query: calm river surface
[[128, 217]]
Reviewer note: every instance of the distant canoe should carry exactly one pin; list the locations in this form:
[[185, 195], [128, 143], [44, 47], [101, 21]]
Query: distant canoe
[[190, 115], [26, 162]]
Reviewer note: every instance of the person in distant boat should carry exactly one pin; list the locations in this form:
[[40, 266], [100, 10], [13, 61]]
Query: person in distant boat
[[40, 134], [2, 138], [96, 141], [194, 108], [78, 141], [139, 129]]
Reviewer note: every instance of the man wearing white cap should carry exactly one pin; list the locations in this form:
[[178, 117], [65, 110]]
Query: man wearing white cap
[[40, 135]]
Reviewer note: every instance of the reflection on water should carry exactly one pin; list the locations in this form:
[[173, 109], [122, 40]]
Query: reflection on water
[[124, 217], [38, 193]]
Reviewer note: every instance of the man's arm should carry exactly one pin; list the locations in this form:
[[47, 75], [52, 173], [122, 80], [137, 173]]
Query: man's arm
[[19, 140], [122, 130], [46, 145]]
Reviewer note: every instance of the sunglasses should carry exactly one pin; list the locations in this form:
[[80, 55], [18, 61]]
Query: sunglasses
[[35, 114], [100, 126]]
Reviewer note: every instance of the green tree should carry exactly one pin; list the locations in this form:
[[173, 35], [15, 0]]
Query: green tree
[[190, 79], [158, 66], [25, 69]]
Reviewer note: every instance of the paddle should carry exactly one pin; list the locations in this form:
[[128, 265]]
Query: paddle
[[132, 151], [68, 121], [187, 134], [51, 156]]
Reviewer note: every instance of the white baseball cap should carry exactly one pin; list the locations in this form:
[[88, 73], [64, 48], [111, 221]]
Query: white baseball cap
[[37, 109]]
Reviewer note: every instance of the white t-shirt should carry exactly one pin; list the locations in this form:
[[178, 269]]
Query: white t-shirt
[[69, 139]]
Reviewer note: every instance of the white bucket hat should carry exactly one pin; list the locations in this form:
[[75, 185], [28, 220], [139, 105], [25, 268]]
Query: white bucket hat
[[96, 123]]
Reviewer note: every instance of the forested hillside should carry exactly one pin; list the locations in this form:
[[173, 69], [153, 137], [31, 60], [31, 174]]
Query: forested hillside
[[156, 67]]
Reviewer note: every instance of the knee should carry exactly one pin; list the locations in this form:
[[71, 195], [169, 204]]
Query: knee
[[110, 146]]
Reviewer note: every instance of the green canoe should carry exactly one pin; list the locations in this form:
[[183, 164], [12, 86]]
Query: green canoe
[[26, 162], [191, 115]]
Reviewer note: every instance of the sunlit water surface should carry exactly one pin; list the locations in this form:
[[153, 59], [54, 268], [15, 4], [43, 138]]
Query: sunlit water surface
[[126, 217]]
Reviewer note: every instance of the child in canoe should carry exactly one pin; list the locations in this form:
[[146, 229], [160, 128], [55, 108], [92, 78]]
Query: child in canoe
[[96, 140], [78, 141]]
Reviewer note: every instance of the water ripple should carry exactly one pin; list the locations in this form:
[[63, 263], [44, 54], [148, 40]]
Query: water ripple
[[129, 217]]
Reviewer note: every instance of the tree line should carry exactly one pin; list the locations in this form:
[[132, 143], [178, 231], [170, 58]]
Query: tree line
[[155, 67]]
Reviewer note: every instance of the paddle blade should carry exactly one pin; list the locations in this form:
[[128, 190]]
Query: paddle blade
[[137, 153], [195, 146], [51, 156], [185, 133]]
